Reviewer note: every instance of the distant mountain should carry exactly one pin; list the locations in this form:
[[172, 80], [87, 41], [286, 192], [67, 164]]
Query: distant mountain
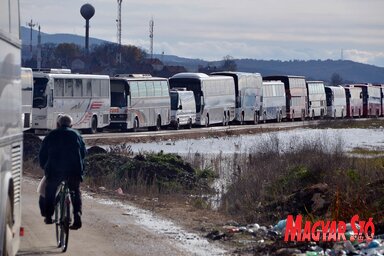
[[313, 69], [55, 38]]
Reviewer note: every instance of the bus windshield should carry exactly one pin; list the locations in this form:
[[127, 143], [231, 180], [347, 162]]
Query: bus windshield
[[39, 94], [174, 101]]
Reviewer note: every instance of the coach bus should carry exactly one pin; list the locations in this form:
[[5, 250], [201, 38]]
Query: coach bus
[[371, 100], [336, 101], [354, 97], [11, 128], [316, 99], [381, 86], [273, 101], [214, 96], [139, 101], [86, 98], [296, 95], [248, 95], [26, 97]]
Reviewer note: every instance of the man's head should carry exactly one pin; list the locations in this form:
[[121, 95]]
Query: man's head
[[64, 121]]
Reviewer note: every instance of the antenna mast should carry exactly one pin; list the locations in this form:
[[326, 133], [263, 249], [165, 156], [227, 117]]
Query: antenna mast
[[118, 21], [151, 24], [31, 25]]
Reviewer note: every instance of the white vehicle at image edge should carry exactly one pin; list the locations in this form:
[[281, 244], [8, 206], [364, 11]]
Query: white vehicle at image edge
[[183, 108], [11, 129]]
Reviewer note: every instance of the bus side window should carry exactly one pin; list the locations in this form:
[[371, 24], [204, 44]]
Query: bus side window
[[87, 88], [59, 87], [68, 88], [96, 88], [77, 88], [50, 100]]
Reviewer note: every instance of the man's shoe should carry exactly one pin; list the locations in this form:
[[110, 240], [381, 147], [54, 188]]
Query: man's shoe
[[48, 220], [75, 225]]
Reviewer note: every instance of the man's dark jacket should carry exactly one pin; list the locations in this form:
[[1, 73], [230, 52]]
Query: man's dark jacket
[[62, 154]]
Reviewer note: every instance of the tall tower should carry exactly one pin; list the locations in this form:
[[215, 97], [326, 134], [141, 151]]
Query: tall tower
[[118, 23], [39, 50], [151, 24], [31, 25]]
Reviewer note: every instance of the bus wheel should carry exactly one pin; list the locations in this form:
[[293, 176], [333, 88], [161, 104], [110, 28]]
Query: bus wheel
[[264, 117], [177, 125], [242, 118], [189, 125], [158, 124], [135, 125], [255, 118], [7, 245], [207, 121], [334, 114], [93, 128], [293, 116]]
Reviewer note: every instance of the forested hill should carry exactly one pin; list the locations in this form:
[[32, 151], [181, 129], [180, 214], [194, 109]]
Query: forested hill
[[348, 71], [316, 69]]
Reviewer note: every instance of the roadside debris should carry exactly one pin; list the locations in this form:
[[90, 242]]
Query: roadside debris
[[263, 240]]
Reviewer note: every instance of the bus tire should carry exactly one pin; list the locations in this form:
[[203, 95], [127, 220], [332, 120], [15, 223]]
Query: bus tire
[[255, 118], [135, 125], [158, 124], [177, 125], [224, 119], [93, 128], [264, 117], [7, 245], [189, 125], [293, 116], [242, 118], [207, 121]]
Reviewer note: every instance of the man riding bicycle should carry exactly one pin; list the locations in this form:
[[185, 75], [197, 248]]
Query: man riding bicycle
[[62, 156]]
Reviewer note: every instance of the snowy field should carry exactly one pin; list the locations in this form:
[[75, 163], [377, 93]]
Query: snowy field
[[372, 139]]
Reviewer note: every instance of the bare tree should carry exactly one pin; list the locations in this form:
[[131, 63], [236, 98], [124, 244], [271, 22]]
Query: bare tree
[[229, 63], [336, 79]]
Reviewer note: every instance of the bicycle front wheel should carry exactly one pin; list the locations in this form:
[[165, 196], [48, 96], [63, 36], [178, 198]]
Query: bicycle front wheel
[[64, 224], [57, 224]]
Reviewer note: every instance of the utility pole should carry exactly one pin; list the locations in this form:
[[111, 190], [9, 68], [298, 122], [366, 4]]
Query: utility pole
[[118, 21], [39, 50], [151, 24], [31, 25]]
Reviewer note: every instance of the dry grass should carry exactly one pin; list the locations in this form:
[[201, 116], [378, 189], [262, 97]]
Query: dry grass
[[273, 172]]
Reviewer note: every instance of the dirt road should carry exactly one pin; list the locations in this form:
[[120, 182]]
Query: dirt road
[[109, 228]]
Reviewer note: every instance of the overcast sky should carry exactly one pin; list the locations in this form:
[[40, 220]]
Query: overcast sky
[[212, 29]]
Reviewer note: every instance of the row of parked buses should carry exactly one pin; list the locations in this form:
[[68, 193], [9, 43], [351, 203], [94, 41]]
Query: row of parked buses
[[135, 101]]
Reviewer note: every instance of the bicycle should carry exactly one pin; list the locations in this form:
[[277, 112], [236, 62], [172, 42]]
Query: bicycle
[[63, 216]]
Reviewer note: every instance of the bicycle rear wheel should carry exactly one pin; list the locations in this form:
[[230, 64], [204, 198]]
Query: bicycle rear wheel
[[64, 224]]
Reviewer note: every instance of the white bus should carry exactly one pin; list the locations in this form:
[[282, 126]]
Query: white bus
[[139, 101], [183, 108], [316, 99], [273, 101], [336, 101], [11, 128], [86, 98], [26, 97], [248, 95], [214, 96]]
